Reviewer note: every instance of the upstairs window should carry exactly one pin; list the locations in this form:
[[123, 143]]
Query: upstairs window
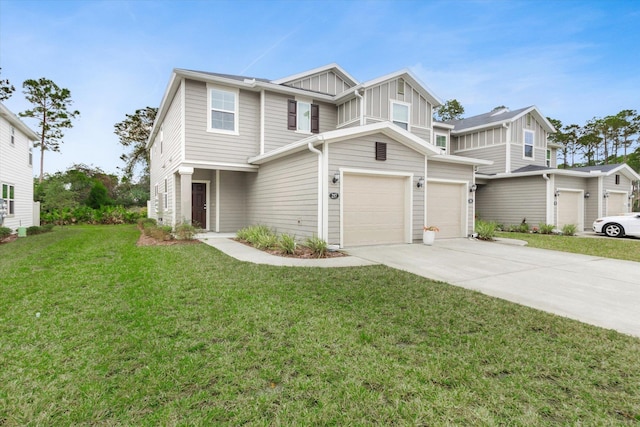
[[303, 116], [223, 111], [441, 141], [400, 114], [8, 194], [548, 158], [528, 144], [13, 135], [30, 156]]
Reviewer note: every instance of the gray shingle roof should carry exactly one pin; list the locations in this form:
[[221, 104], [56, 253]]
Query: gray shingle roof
[[602, 168], [531, 168], [231, 76], [486, 119]]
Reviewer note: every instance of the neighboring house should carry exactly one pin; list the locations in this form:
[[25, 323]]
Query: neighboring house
[[317, 153], [523, 181], [16, 170]]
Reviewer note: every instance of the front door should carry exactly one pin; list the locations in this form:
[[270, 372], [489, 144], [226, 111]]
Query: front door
[[199, 204]]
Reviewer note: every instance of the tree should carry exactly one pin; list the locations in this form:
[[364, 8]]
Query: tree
[[51, 108], [98, 196], [450, 110], [134, 131], [6, 89]]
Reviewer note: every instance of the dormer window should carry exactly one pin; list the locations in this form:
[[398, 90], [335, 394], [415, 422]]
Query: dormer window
[[400, 114], [528, 144]]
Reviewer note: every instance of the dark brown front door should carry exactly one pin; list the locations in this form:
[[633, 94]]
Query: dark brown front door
[[199, 204]]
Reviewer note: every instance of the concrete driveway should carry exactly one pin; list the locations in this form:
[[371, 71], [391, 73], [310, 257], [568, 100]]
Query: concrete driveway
[[602, 292]]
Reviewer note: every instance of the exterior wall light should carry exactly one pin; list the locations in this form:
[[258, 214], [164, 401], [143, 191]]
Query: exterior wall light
[[336, 178], [587, 195], [473, 188], [606, 194], [557, 193], [420, 183]]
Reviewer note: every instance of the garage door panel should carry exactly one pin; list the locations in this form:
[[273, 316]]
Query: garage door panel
[[373, 209], [616, 203], [570, 208], [445, 208]]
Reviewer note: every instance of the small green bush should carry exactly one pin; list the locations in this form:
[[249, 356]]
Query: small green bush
[[287, 244], [243, 233], [142, 222], [4, 232], [185, 231], [523, 228], [486, 230], [160, 233], [265, 241], [33, 230], [569, 229], [546, 228], [317, 246]]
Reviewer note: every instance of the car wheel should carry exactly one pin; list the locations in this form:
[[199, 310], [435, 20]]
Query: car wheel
[[613, 230]]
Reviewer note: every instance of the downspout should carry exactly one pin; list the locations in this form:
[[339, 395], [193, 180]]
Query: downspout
[[262, 102], [357, 93], [320, 186], [507, 163], [550, 207]]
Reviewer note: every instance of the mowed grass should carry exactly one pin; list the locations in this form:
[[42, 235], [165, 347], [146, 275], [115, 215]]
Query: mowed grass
[[627, 248], [184, 335]]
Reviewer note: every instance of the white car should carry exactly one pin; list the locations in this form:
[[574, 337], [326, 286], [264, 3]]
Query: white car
[[618, 226]]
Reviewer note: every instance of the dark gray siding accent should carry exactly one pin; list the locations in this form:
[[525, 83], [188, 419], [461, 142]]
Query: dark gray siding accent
[[214, 147], [284, 195], [359, 153], [276, 130], [509, 201]]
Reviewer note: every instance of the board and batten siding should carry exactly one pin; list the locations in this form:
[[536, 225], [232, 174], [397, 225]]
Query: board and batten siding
[[359, 153], [348, 113], [201, 145], [283, 194], [509, 201], [324, 82], [453, 172], [480, 139], [378, 103], [276, 133], [15, 170]]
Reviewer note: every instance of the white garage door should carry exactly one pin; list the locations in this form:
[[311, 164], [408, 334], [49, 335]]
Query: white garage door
[[445, 208], [570, 206], [374, 209], [616, 203]]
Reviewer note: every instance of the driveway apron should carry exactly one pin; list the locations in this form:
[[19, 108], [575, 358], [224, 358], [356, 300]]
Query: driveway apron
[[599, 291]]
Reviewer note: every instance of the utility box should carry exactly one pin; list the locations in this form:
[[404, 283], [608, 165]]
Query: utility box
[[22, 231]]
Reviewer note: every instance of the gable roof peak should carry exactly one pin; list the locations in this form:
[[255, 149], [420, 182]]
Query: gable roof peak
[[332, 66]]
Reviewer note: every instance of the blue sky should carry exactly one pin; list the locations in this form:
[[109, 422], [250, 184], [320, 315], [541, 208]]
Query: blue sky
[[573, 59]]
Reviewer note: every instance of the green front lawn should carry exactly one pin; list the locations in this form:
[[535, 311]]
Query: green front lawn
[[184, 335], [627, 248]]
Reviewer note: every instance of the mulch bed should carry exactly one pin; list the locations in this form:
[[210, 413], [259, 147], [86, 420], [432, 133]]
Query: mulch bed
[[145, 240], [302, 252], [9, 239]]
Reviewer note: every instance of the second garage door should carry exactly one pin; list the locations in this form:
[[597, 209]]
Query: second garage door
[[616, 203], [570, 209], [445, 208], [374, 209]]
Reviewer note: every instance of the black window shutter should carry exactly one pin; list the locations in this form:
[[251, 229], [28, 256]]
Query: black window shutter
[[381, 151], [291, 114], [315, 118]]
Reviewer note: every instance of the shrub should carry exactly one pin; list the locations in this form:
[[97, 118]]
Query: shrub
[[569, 229], [523, 228], [142, 222], [287, 244], [33, 230], [486, 230], [4, 232], [261, 236], [160, 233], [546, 228], [317, 246], [47, 227], [185, 231], [243, 233]]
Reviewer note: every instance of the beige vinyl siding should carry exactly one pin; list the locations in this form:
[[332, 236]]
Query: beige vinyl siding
[[508, 201], [275, 117], [453, 172], [325, 82], [517, 156], [609, 184], [16, 171], [591, 204], [233, 200], [215, 147], [284, 195], [495, 153], [359, 153], [377, 105], [564, 182]]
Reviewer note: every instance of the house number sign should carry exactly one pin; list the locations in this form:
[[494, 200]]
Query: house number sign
[[333, 195]]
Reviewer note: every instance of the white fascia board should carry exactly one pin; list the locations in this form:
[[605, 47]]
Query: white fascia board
[[17, 123], [448, 158], [627, 170], [541, 172], [172, 87], [479, 127], [442, 125], [333, 65], [412, 78], [386, 128]]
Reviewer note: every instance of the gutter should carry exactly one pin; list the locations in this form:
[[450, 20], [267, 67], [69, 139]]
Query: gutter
[[357, 93]]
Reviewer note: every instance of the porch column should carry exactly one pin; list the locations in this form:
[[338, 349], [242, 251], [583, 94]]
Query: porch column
[[186, 174]]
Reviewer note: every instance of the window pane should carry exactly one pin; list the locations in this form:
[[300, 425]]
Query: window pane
[[401, 113], [304, 116], [224, 121], [222, 100], [11, 188], [4, 191], [12, 207], [528, 151], [528, 138], [402, 125], [441, 140]]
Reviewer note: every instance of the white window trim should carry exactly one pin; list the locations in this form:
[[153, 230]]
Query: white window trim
[[435, 141], [236, 114], [524, 145], [305, 101], [391, 103], [30, 156], [547, 159], [13, 136], [8, 199]]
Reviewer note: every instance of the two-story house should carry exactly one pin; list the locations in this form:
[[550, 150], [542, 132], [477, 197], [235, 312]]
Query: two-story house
[[523, 181], [316, 153], [16, 171]]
